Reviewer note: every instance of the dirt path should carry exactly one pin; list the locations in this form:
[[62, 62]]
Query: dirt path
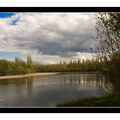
[[27, 75]]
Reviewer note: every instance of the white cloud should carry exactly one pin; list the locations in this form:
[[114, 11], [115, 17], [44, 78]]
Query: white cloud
[[49, 37]]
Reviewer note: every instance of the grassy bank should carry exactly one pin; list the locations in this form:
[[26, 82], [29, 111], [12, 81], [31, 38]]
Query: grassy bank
[[109, 100]]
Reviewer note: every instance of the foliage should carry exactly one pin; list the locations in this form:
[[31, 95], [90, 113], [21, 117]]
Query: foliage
[[13, 68], [108, 36], [108, 100], [20, 67], [72, 66], [29, 61]]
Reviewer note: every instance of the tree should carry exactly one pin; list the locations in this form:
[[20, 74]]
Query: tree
[[108, 34], [29, 61], [108, 37]]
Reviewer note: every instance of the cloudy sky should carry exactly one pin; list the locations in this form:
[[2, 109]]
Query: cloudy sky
[[48, 37]]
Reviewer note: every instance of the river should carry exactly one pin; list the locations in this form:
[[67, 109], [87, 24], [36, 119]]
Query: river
[[48, 91]]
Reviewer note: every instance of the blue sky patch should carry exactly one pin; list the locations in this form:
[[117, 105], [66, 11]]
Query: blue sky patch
[[6, 14], [14, 22], [10, 55]]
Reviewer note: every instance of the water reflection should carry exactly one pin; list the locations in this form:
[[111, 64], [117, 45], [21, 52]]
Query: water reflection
[[29, 85], [113, 86], [51, 90], [83, 79]]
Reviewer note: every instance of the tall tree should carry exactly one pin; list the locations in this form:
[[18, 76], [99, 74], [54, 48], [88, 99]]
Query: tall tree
[[108, 37], [29, 61], [108, 34]]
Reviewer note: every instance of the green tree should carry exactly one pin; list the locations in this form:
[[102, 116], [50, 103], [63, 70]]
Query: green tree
[[29, 61], [108, 37], [29, 64]]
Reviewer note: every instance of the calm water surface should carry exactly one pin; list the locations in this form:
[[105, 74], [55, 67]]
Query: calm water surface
[[48, 91]]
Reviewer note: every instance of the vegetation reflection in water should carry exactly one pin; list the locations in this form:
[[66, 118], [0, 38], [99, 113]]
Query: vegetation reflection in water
[[52, 90]]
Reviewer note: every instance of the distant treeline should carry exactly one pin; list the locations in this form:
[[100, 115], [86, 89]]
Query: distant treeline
[[20, 67], [72, 66]]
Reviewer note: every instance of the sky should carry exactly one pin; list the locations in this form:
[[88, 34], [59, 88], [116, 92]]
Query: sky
[[48, 37]]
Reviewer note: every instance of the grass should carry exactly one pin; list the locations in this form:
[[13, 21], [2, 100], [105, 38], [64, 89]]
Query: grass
[[109, 100]]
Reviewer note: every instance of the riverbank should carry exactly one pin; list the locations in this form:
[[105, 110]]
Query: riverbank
[[111, 100], [28, 75]]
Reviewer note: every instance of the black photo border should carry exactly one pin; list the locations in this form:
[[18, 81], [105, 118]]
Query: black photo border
[[60, 109]]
